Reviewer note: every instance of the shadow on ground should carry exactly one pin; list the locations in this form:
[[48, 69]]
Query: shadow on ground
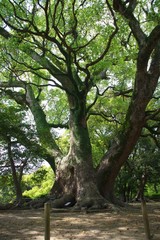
[[125, 224]]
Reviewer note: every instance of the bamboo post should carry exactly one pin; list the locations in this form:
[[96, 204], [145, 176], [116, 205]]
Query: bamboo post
[[47, 220], [145, 220]]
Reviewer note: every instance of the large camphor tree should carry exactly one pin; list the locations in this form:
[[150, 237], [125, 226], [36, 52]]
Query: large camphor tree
[[89, 50]]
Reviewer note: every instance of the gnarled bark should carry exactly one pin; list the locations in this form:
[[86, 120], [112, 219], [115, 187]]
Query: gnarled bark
[[75, 173]]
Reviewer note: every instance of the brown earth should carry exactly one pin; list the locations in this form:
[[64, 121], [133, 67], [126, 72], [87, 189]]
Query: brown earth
[[122, 224]]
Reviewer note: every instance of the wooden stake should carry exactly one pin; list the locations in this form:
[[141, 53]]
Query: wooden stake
[[47, 220], [145, 220]]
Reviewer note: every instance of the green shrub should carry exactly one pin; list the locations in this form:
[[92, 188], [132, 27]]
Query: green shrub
[[39, 183]]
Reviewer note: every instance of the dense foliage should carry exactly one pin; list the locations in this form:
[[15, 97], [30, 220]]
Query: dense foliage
[[34, 185]]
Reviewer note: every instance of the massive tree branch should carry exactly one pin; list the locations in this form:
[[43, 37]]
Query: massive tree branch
[[145, 84], [43, 128], [134, 24], [62, 77]]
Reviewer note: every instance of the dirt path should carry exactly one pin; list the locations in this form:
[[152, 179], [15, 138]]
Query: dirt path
[[125, 224]]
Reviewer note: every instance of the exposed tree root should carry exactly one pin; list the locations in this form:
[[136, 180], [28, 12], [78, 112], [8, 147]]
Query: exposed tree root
[[87, 204], [64, 202], [92, 203]]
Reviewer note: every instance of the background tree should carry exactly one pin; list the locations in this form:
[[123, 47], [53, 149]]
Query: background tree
[[52, 45], [140, 173]]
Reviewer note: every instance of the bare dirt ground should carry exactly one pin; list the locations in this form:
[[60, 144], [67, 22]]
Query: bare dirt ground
[[123, 224]]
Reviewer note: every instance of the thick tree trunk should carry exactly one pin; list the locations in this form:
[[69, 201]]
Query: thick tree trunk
[[75, 173], [64, 188], [87, 193]]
